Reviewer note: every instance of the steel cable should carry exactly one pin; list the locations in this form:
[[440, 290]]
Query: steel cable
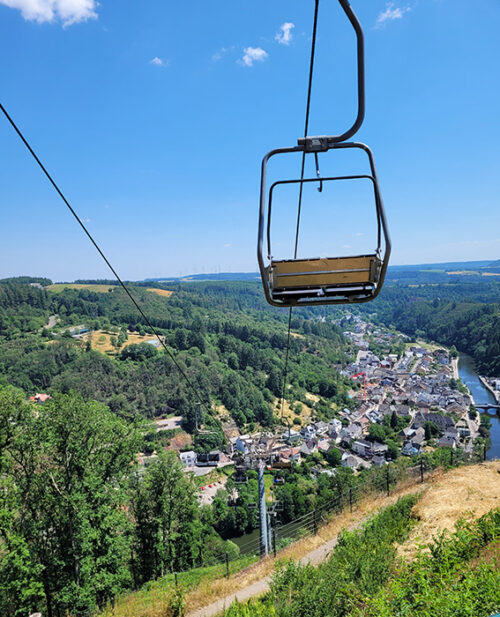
[[108, 263], [299, 208]]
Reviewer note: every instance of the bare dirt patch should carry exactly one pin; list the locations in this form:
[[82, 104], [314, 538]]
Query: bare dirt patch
[[180, 441]]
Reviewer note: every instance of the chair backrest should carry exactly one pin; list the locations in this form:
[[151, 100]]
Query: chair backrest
[[324, 272]]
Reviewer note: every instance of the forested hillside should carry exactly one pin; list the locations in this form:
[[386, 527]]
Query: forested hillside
[[230, 344]]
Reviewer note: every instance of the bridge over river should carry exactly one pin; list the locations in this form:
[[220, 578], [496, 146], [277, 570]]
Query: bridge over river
[[484, 401]]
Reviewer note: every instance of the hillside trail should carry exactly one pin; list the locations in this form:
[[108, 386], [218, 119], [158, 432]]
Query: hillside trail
[[462, 492]]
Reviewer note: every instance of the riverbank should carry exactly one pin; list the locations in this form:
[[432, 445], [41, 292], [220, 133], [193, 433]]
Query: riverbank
[[485, 383], [454, 366]]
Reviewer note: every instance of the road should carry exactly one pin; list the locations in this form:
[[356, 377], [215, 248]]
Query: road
[[169, 424]]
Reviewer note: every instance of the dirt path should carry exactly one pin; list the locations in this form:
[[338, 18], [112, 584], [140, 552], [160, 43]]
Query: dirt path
[[259, 587], [251, 588], [466, 491]]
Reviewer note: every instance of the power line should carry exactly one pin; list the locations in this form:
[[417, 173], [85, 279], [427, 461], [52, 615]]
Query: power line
[[108, 263]]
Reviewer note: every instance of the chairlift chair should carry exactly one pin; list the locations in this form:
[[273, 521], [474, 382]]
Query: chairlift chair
[[332, 280], [240, 475]]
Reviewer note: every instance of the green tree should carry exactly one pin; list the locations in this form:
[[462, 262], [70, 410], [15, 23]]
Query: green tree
[[167, 529], [65, 467]]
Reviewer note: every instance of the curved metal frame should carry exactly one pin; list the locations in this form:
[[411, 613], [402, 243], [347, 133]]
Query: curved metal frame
[[360, 52]]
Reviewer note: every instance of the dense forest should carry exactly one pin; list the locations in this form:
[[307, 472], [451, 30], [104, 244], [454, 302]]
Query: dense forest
[[228, 343]]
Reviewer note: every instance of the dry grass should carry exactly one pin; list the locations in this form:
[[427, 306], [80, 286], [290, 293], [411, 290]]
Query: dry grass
[[491, 273], [100, 340], [312, 397], [160, 292], [205, 594], [466, 272], [179, 441], [58, 287], [466, 492], [289, 414]]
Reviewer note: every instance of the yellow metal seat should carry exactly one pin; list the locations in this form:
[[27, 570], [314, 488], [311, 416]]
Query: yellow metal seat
[[324, 273]]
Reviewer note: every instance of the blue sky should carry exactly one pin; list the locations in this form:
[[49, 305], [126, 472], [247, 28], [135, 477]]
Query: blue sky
[[154, 116]]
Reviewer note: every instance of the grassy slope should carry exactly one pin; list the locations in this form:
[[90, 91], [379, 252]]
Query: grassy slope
[[477, 489]]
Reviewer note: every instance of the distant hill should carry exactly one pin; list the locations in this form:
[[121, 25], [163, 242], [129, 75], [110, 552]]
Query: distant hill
[[221, 276], [393, 271]]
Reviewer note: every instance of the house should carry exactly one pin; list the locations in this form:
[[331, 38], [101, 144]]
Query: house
[[308, 432], [324, 445], [40, 398], [353, 462], [308, 447], [378, 449], [362, 447], [244, 444], [291, 436], [350, 433], [375, 416], [448, 441], [409, 449], [321, 427], [210, 459], [335, 426], [290, 454], [454, 407], [378, 460], [188, 459], [418, 438]]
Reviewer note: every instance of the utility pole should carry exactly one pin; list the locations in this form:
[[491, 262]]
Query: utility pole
[[264, 539]]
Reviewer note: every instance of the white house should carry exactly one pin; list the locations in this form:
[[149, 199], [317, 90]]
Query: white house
[[188, 459]]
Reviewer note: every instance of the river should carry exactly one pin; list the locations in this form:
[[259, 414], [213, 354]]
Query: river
[[482, 396]]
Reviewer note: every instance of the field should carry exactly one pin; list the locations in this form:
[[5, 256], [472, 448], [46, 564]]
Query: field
[[100, 340], [58, 287], [165, 293]]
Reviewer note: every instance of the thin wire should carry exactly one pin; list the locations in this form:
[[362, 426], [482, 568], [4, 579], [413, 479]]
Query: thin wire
[[299, 208], [306, 123], [125, 288]]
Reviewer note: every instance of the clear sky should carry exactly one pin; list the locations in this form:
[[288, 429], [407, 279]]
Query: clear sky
[[154, 116]]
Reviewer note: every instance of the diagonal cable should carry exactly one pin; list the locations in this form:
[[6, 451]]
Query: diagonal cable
[[299, 208], [115, 274]]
